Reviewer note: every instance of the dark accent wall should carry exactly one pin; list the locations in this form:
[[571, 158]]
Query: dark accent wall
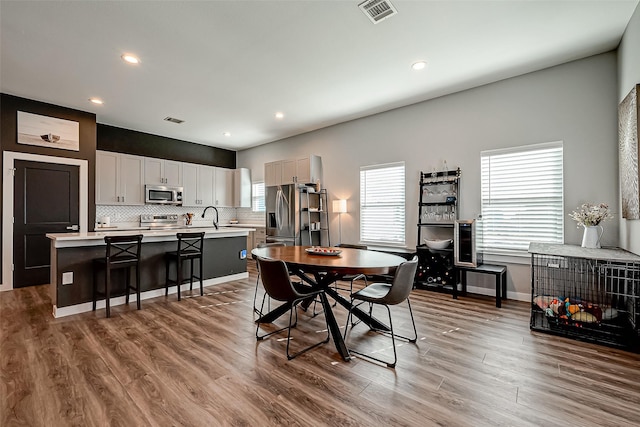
[[9, 107], [102, 137], [111, 138]]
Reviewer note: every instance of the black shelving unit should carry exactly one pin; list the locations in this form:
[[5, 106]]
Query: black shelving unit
[[437, 213], [314, 218]]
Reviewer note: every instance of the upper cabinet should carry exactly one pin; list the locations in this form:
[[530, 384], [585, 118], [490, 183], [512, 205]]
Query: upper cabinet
[[288, 172], [162, 172], [223, 184], [198, 182], [308, 169], [119, 179], [273, 173], [242, 188], [303, 170]]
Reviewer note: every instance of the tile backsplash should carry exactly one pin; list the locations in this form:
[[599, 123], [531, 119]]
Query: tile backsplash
[[130, 215], [248, 216]]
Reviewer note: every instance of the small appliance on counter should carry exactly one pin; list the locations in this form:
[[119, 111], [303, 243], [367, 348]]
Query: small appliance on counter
[[160, 221], [105, 223]]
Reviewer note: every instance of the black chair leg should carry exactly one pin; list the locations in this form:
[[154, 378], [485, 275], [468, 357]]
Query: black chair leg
[[390, 332], [179, 277], [95, 286], [255, 296], [167, 263], [326, 340], [201, 276], [107, 290], [261, 337], [191, 276], [127, 282], [138, 286]]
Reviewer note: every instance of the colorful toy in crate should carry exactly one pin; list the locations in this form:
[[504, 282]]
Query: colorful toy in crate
[[573, 309]]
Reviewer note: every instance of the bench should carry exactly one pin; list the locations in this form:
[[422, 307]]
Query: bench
[[500, 273]]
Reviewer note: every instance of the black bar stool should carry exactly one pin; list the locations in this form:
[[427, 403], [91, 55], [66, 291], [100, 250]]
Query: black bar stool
[[190, 247], [123, 252]]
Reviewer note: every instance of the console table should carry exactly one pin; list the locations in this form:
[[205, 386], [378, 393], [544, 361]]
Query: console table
[[498, 271]]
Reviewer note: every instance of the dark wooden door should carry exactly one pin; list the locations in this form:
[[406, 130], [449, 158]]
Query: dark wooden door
[[46, 200]]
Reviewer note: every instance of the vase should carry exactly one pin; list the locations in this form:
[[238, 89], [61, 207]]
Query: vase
[[591, 236]]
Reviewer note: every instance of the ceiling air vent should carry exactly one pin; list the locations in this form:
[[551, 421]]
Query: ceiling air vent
[[173, 120], [377, 10]]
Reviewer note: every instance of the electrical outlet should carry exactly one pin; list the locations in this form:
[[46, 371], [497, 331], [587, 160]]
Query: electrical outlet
[[67, 278]]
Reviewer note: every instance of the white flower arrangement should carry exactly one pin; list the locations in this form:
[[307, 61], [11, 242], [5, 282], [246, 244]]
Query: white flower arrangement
[[589, 215]]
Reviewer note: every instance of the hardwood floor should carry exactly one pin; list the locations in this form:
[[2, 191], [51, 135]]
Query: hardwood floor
[[197, 363]]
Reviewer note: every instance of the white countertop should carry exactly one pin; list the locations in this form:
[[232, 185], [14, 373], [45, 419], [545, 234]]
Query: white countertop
[[246, 225], [94, 238]]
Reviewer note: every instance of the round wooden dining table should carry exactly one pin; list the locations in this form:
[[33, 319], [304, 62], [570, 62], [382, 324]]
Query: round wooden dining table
[[321, 270]]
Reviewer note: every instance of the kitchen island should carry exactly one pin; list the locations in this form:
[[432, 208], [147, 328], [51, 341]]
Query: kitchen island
[[72, 257]]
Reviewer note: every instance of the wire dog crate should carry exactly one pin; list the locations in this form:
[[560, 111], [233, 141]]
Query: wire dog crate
[[587, 294]]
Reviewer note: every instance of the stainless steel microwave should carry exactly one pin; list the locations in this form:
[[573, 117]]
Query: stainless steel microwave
[[162, 195]]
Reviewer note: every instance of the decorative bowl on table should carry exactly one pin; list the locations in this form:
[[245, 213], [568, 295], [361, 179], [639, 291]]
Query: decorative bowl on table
[[323, 251], [438, 244]]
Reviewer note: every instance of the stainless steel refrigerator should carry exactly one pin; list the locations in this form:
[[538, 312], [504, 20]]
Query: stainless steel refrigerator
[[283, 220]]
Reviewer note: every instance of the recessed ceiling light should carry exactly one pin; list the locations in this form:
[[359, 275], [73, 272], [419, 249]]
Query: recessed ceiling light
[[419, 65], [131, 59], [227, 134], [279, 115], [96, 101]]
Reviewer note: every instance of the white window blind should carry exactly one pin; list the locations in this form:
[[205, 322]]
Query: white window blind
[[522, 198], [257, 197], [382, 204]]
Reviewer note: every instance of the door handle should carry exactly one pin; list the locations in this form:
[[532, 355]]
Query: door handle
[[73, 227]]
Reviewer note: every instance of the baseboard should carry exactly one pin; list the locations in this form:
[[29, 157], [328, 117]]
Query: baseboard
[[88, 306], [518, 296]]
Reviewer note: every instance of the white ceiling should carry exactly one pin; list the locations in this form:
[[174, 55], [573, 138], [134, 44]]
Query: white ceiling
[[229, 66]]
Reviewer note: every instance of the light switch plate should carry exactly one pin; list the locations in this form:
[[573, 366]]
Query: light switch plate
[[67, 278]]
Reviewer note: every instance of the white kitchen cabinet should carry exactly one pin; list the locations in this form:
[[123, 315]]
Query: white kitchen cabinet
[[259, 236], [242, 188], [162, 172], [308, 169], [119, 179], [256, 238], [273, 173], [223, 187], [198, 185], [288, 172], [303, 170], [189, 184], [280, 172]]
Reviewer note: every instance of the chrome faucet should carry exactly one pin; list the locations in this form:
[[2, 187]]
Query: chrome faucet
[[215, 221]]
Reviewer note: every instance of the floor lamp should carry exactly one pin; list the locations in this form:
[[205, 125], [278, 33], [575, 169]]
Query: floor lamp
[[340, 207]]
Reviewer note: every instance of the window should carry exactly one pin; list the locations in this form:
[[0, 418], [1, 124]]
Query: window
[[522, 198], [257, 197], [382, 206]]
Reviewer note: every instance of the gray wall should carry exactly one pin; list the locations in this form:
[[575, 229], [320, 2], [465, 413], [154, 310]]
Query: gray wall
[[628, 76], [575, 102]]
